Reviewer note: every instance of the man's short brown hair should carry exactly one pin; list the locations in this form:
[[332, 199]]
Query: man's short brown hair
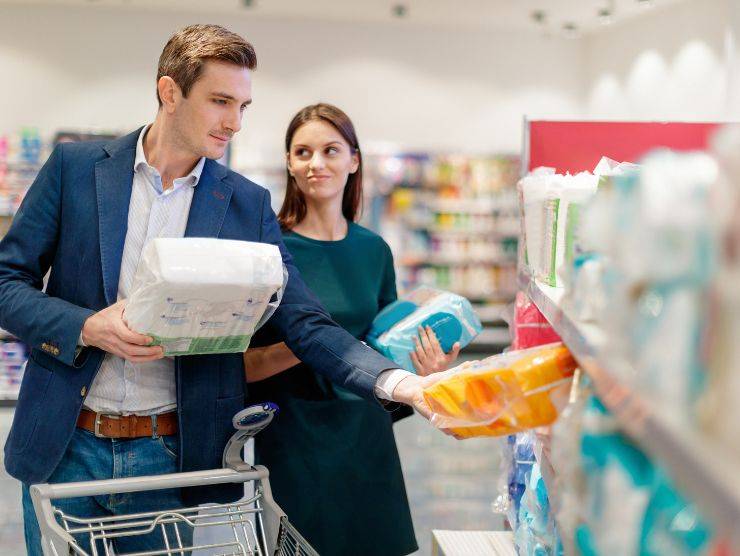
[[187, 51]]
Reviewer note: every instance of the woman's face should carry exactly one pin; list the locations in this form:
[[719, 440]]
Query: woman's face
[[320, 160]]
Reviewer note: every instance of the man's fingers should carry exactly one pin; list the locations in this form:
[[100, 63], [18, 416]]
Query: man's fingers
[[449, 432], [423, 408], [131, 337], [142, 359], [133, 350]]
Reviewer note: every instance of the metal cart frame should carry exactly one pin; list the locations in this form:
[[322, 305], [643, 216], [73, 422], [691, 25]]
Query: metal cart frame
[[258, 526]]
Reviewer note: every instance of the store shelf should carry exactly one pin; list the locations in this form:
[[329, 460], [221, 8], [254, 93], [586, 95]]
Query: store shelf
[[702, 469], [474, 206], [491, 313], [434, 260], [473, 543], [501, 232]]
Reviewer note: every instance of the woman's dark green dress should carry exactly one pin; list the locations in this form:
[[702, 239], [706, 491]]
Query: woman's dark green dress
[[332, 457]]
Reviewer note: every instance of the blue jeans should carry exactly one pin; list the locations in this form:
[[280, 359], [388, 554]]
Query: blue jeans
[[90, 458]]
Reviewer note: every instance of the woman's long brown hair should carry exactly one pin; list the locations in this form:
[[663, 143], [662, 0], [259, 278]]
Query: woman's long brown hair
[[293, 210]]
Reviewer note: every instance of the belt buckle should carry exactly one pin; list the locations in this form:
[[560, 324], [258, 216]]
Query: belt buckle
[[98, 418]]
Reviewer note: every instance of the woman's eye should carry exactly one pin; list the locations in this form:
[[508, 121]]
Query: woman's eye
[[332, 150], [301, 152]]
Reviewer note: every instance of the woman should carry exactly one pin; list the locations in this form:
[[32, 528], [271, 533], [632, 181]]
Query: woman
[[333, 462]]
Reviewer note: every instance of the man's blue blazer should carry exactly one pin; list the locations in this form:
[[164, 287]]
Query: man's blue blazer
[[73, 221]]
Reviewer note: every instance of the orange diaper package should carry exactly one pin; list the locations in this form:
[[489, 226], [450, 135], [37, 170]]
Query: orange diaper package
[[503, 394]]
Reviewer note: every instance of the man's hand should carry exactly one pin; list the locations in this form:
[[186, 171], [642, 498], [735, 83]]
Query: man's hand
[[411, 392], [107, 331]]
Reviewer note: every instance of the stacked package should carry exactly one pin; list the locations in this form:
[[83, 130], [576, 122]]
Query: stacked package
[[631, 507], [450, 316], [503, 394], [655, 236], [204, 295], [719, 410]]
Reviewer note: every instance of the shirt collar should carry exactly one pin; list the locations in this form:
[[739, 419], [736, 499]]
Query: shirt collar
[[140, 162]]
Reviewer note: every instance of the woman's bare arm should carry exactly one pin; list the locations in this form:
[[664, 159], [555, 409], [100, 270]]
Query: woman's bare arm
[[263, 362]]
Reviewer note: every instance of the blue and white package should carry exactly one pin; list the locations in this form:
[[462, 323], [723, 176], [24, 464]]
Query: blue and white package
[[450, 316]]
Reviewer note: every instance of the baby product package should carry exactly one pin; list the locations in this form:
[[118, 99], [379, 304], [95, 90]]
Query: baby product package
[[530, 325], [561, 224], [503, 394], [449, 315], [204, 295]]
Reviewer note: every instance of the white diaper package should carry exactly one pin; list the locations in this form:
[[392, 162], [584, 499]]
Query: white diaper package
[[204, 295]]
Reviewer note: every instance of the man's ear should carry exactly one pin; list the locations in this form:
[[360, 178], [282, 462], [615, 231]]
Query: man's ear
[[169, 92]]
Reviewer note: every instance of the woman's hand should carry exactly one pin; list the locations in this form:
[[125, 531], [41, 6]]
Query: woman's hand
[[428, 357]]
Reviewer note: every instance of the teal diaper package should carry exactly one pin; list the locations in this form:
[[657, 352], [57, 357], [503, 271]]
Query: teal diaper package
[[450, 316]]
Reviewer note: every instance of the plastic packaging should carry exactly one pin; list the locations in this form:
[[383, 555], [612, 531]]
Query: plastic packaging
[[535, 189], [450, 316], [503, 394], [536, 534], [204, 295], [531, 328]]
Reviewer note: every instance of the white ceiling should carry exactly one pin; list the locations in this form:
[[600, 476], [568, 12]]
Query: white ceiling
[[469, 14]]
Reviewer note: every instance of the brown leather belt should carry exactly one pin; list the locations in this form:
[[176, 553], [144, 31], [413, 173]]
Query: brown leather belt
[[128, 426]]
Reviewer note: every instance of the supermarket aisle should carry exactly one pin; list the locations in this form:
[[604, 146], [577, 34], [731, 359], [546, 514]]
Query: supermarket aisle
[[450, 484]]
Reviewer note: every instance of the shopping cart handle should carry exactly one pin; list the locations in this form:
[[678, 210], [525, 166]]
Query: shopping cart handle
[[248, 422]]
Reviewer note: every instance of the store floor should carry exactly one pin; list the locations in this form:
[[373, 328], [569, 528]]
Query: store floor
[[450, 484]]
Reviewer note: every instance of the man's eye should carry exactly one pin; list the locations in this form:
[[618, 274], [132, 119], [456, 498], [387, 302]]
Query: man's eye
[[219, 101]]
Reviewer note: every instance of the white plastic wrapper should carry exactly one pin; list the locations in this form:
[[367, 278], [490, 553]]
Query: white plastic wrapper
[[204, 295]]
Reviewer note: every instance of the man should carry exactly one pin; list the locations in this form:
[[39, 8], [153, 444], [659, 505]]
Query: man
[[97, 401]]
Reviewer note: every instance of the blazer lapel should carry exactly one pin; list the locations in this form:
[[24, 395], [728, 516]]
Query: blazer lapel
[[113, 182], [210, 201]]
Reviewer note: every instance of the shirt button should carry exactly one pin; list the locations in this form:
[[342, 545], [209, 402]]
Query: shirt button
[[83, 391]]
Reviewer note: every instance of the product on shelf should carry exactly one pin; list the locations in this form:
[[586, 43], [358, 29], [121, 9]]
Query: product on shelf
[[450, 316], [719, 409], [552, 205], [451, 221], [565, 455], [536, 532], [517, 459], [656, 235], [503, 394], [204, 295], [531, 328], [13, 356], [630, 507]]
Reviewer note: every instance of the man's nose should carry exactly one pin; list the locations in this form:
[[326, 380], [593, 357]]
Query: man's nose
[[234, 122]]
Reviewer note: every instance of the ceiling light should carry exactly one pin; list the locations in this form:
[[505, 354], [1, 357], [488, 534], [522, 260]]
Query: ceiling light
[[399, 10], [539, 16], [606, 16], [570, 30], [645, 3]]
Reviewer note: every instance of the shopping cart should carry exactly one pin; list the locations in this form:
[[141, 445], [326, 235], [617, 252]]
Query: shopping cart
[[255, 526]]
